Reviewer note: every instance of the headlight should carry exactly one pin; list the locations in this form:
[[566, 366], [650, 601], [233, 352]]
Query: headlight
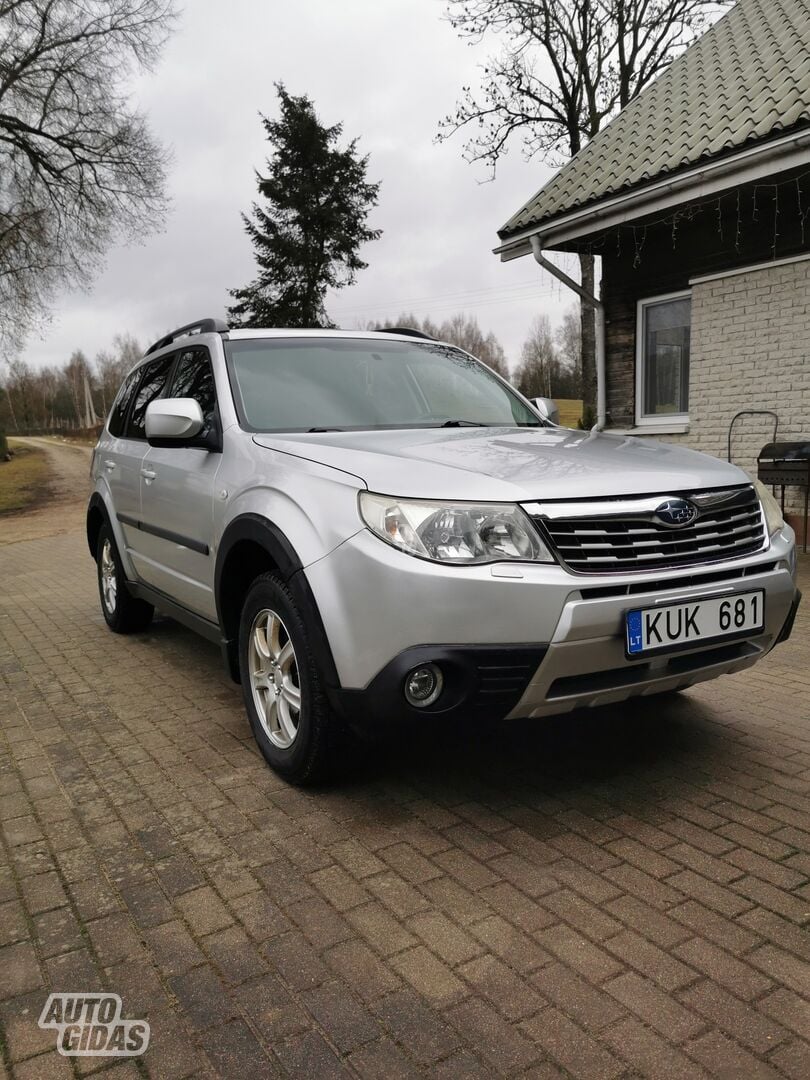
[[462, 533], [771, 508]]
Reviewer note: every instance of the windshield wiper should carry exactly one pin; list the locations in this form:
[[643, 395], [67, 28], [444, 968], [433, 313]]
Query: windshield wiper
[[462, 423], [319, 430]]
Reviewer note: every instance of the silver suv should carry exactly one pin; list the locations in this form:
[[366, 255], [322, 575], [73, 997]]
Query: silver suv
[[376, 527]]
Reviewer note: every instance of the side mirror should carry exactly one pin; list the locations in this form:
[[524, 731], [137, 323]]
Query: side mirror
[[173, 421], [546, 406]]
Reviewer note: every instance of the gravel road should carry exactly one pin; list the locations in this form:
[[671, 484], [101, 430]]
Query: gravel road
[[63, 508]]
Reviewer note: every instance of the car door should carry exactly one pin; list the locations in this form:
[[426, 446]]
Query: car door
[[177, 493], [120, 458]]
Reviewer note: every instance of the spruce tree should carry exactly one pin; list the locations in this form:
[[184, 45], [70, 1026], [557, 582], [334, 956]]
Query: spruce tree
[[308, 231]]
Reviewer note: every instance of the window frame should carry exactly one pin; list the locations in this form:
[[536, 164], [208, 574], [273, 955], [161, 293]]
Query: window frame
[[657, 420]]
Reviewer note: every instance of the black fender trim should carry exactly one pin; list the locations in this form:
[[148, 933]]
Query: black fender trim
[[480, 681], [96, 503], [267, 535], [787, 627]]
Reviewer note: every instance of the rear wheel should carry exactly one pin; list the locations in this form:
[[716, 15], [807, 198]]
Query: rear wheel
[[292, 722], [123, 612]]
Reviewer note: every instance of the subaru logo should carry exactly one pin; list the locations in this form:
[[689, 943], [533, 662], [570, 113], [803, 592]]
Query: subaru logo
[[676, 513]]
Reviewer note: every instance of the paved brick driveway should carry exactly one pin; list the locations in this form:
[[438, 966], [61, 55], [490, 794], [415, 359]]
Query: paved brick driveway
[[623, 894]]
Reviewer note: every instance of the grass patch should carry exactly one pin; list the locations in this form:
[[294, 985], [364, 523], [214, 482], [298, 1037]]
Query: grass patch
[[570, 411], [24, 479]]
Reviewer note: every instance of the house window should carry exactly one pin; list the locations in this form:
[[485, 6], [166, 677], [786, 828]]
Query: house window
[[662, 359]]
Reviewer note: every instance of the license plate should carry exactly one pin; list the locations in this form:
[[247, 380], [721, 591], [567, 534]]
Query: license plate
[[674, 625]]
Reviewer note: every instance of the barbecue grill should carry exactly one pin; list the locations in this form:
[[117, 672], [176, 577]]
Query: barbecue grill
[[787, 464], [780, 464]]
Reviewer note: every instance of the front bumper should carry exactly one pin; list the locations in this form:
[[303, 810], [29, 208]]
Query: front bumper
[[379, 605]]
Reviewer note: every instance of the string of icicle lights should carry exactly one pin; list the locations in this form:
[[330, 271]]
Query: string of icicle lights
[[687, 213]]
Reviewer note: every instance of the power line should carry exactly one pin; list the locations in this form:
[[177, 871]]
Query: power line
[[437, 311], [508, 291]]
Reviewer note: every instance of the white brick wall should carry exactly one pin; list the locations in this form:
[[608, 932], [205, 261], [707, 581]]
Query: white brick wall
[[750, 348]]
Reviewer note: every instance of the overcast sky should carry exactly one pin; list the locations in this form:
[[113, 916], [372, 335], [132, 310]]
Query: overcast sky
[[388, 70]]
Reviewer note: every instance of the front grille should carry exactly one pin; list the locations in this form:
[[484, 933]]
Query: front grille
[[623, 534]]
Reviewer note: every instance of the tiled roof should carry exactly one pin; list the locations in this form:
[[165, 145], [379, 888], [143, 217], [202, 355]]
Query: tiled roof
[[745, 80]]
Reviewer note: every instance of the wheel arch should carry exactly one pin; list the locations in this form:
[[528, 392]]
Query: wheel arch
[[252, 545], [97, 517]]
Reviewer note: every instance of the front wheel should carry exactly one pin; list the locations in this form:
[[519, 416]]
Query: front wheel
[[292, 722], [123, 612]]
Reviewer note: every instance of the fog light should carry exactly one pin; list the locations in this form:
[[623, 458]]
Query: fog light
[[423, 685]]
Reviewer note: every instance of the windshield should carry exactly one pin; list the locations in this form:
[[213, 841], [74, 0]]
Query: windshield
[[328, 384]]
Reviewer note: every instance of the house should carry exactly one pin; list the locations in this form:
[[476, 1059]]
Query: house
[[697, 199]]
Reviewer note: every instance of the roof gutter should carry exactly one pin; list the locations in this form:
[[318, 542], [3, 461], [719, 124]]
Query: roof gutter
[[700, 182], [599, 309]]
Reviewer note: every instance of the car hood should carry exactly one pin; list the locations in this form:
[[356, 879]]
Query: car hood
[[507, 464]]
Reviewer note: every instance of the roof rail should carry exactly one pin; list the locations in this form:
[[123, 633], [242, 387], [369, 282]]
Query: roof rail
[[201, 326], [406, 331]]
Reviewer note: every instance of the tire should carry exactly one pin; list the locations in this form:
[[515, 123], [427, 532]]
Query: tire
[[123, 613], [298, 733]]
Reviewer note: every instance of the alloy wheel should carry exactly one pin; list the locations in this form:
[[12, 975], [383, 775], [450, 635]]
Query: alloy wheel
[[109, 578], [274, 678]]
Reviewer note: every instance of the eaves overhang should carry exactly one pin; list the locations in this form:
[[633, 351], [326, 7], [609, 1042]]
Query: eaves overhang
[[701, 181]]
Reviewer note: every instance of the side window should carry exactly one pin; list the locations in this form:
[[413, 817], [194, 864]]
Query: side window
[[152, 385], [118, 413], [194, 378]]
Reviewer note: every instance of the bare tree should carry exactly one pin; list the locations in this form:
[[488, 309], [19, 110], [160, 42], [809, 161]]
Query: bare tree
[[76, 370], [461, 330], [538, 360], [112, 365], [566, 67], [464, 331], [79, 167], [568, 337]]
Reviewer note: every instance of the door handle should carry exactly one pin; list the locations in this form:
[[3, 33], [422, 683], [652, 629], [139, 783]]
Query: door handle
[[148, 474], [109, 465]]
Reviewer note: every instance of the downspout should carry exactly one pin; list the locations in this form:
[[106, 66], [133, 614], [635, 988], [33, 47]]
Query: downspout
[[599, 309]]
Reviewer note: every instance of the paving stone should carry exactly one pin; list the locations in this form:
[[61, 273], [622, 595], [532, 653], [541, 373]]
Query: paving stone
[[20, 970], [415, 1025], [720, 1055], [655, 1007], [204, 910], [736, 975], [428, 975], [346, 1021], [502, 987], [309, 1055], [502, 1044], [361, 969], [173, 948], [590, 1006], [234, 954], [202, 997], [13, 923], [383, 1059], [579, 1054]]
